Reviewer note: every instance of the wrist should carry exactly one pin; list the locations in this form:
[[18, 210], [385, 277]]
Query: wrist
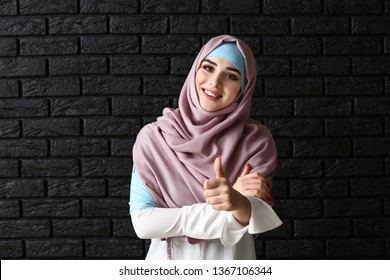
[[242, 213]]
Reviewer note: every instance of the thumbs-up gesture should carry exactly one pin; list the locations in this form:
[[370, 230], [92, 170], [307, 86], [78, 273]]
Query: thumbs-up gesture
[[252, 184], [221, 195]]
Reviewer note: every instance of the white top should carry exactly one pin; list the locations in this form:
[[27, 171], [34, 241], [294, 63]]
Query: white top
[[224, 237]]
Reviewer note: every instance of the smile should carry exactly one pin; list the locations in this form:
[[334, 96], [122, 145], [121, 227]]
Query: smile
[[211, 94]]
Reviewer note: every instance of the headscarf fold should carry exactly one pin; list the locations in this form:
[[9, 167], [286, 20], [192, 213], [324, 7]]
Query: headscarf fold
[[175, 154]]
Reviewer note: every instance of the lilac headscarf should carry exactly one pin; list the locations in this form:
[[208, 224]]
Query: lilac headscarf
[[175, 154]]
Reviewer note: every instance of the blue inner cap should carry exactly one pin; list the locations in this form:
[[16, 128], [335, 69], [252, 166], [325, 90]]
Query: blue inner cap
[[230, 52]]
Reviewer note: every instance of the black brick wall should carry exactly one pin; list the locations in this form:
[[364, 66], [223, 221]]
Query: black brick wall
[[79, 78]]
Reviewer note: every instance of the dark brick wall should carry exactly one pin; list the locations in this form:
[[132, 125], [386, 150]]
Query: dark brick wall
[[79, 78]]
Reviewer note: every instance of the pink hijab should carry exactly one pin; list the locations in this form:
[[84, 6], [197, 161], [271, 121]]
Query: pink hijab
[[175, 154]]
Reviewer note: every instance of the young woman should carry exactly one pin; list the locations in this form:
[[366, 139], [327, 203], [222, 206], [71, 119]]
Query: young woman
[[202, 172]]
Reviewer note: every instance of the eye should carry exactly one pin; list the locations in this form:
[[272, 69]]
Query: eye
[[208, 67], [231, 77]]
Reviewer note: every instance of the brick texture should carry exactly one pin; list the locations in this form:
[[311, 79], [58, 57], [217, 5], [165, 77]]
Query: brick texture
[[79, 79]]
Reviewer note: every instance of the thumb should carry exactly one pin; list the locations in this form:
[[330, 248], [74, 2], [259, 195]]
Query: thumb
[[246, 171], [218, 167]]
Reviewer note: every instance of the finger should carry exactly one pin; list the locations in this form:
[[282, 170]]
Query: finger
[[211, 183], [246, 171], [218, 167]]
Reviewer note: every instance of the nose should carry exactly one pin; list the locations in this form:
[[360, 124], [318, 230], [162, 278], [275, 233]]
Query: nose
[[215, 81]]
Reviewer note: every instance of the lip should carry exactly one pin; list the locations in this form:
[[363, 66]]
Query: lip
[[214, 95]]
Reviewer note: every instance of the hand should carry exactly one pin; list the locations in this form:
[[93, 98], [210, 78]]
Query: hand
[[252, 184], [222, 196]]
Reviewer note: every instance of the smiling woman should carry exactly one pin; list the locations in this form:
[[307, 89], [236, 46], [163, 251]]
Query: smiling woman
[[203, 172]]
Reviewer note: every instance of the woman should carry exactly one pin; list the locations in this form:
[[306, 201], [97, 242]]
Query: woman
[[181, 192]]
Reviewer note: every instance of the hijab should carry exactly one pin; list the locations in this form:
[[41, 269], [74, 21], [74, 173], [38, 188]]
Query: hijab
[[175, 154]]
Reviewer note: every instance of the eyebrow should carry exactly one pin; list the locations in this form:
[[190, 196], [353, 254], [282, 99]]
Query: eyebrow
[[227, 68]]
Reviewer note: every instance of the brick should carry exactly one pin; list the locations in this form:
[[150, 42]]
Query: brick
[[54, 248], [181, 65], [294, 127], [23, 148], [284, 231], [9, 209], [111, 127], [108, 6], [321, 66], [110, 85], [320, 25], [301, 188], [78, 147], [51, 208], [370, 187], [301, 248], [123, 228], [9, 168], [9, 129], [372, 146], [271, 107], [292, 46], [8, 47], [79, 65], [23, 108], [48, 46], [77, 24], [353, 86], [387, 205], [170, 44], [16, 67], [323, 228], [371, 66], [24, 228], [353, 167], [292, 7], [11, 248], [298, 208], [119, 187], [354, 248], [352, 207], [76, 187], [353, 45], [81, 227], [293, 87], [22, 26], [199, 24], [9, 88], [169, 6], [283, 147], [270, 66], [8, 8], [158, 85], [51, 127], [353, 7], [107, 167], [114, 248], [372, 227], [230, 7], [124, 106], [372, 107], [106, 207], [122, 147], [22, 188], [322, 147], [79, 107], [322, 107], [259, 25], [370, 24], [109, 45], [387, 45], [139, 65], [50, 87], [50, 168], [138, 24], [299, 168], [30, 7], [353, 127]]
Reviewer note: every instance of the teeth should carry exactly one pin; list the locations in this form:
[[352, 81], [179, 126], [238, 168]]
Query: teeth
[[209, 93]]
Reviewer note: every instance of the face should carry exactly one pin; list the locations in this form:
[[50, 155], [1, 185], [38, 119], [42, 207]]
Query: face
[[218, 84]]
